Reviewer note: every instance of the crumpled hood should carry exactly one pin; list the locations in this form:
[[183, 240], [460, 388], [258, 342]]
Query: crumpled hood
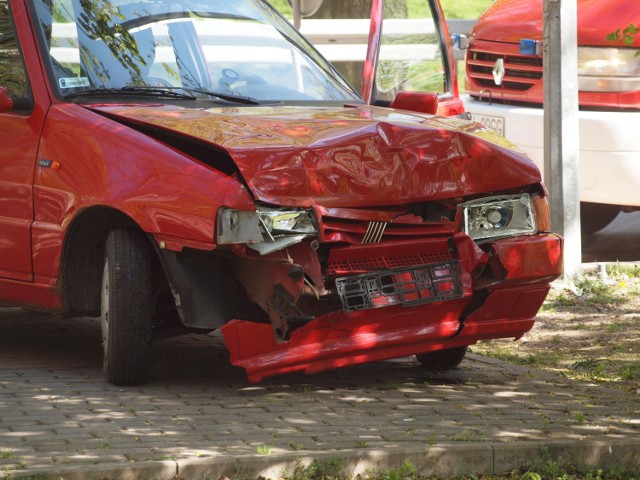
[[513, 20], [351, 156]]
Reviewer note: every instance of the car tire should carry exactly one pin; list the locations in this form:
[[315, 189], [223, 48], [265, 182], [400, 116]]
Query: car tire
[[596, 216], [126, 308], [442, 359]]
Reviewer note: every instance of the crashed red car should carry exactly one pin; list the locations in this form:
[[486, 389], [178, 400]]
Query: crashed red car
[[195, 165]]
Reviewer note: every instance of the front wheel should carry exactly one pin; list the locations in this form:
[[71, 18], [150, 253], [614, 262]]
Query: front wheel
[[442, 359], [126, 308]]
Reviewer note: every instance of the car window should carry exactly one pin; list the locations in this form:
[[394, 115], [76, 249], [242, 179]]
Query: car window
[[411, 55], [240, 47], [12, 71]]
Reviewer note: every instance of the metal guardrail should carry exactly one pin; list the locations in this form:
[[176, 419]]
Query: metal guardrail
[[345, 40]]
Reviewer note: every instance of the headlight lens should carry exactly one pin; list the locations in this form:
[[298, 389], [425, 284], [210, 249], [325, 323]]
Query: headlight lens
[[499, 216], [265, 229], [608, 69]]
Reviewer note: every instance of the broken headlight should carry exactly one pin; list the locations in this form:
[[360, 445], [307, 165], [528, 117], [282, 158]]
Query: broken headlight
[[499, 216], [265, 229]]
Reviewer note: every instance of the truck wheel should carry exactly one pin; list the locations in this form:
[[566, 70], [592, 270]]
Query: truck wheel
[[126, 308], [442, 359], [596, 216]]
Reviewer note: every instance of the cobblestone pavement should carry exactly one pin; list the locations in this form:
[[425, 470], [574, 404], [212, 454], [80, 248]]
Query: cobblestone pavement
[[200, 417]]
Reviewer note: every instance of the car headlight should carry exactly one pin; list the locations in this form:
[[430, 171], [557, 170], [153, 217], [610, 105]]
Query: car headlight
[[499, 216], [608, 69], [265, 229]]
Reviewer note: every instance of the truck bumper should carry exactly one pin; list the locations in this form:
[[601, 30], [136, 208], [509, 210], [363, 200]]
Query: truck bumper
[[609, 151]]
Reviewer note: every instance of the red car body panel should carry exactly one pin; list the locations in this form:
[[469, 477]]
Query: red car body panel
[[358, 157], [498, 32]]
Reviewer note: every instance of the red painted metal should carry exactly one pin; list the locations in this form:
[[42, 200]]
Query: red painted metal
[[347, 157], [498, 32], [19, 138], [340, 339], [375, 33]]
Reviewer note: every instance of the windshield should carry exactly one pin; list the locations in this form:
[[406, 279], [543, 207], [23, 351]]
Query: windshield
[[217, 49]]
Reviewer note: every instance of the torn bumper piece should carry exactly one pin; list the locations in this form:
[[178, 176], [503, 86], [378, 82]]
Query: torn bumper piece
[[508, 309], [334, 341]]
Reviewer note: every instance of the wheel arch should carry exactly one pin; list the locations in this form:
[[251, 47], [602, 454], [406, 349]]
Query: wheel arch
[[208, 294], [83, 257]]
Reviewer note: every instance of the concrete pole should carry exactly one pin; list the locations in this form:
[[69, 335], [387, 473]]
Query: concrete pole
[[561, 135]]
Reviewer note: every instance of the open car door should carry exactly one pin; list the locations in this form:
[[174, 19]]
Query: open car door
[[410, 62]]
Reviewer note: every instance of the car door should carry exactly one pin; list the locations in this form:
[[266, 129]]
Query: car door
[[410, 62], [20, 126]]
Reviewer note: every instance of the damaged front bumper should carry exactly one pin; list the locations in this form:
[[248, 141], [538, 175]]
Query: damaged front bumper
[[491, 293]]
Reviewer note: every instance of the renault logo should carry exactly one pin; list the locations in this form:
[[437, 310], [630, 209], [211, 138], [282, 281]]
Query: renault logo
[[498, 71]]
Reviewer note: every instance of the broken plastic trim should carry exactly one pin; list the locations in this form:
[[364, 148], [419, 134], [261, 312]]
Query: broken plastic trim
[[265, 230], [406, 287]]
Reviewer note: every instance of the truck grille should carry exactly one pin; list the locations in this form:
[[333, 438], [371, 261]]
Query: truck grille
[[521, 72]]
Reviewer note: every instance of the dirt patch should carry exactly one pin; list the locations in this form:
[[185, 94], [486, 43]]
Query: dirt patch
[[589, 331]]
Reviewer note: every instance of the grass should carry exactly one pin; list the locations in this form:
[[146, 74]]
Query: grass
[[545, 468], [588, 331], [263, 449], [452, 8], [467, 436], [6, 455]]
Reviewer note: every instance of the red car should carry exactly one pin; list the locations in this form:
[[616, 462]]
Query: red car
[[195, 165]]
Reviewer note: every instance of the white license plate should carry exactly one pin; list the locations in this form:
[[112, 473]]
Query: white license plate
[[492, 122]]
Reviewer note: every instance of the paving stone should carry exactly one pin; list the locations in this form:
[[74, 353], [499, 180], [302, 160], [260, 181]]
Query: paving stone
[[57, 415]]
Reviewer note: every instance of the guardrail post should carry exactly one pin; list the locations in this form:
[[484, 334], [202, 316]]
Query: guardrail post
[[561, 127], [297, 15]]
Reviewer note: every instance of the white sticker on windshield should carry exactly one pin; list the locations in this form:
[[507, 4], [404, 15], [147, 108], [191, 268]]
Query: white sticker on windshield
[[74, 82]]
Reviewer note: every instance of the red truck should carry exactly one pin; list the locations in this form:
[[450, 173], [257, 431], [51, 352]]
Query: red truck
[[188, 166], [504, 83]]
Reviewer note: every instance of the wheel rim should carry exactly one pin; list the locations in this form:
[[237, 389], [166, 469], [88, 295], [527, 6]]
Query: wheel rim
[[104, 309]]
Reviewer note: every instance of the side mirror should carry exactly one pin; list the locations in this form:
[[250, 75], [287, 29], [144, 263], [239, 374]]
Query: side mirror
[[423, 102], [310, 7], [459, 41], [304, 8], [9, 102], [6, 102]]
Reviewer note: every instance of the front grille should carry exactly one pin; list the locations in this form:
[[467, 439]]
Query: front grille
[[521, 72], [356, 242], [346, 230], [350, 266]]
